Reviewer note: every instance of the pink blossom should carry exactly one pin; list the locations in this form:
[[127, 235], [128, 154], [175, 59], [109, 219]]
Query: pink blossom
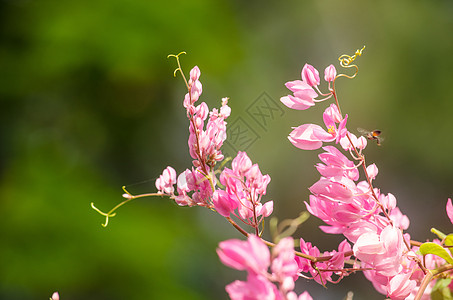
[[310, 75], [357, 229], [336, 164], [311, 136], [251, 255], [335, 263], [308, 136], [245, 185], [284, 266], [165, 182], [193, 181], [303, 97], [331, 115], [330, 73], [372, 171], [389, 201], [450, 210], [382, 251], [194, 74], [401, 221], [400, 286], [254, 257], [195, 86], [256, 287], [241, 164], [204, 145], [55, 296], [336, 189], [305, 296], [223, 203], [359, 143]]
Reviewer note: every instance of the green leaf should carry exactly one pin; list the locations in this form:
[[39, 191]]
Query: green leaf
[[449, 242], [432, 248]]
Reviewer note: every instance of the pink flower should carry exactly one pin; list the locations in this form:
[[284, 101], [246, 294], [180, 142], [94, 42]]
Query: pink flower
[[55, 296], [382, 251], [400, 286], [335, 263], [330, 73], [359, 143], [336, 164], [311, 136], [335, 189], [305, 296], [303, 95], [254, 257], [308, 136], [450, 210], [241, 164], [165, 182], [372, 171], [195, 86], [284, 266], [255, 288], [310, 75], [223, 203], [251, 255], [245, 185]]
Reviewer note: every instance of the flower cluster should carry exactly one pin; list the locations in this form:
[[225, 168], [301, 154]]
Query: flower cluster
[[366, 217], [243, 184], [254, 257], [344, 198]]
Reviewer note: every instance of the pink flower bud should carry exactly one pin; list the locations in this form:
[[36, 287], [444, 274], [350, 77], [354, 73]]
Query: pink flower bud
[[165, 182], [310, 75], [449, 209], [195, 74], [372, 171], [241, 163], [330, 73], [55, 296]]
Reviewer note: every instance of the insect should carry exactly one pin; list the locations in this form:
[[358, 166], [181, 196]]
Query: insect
[[372, 135]]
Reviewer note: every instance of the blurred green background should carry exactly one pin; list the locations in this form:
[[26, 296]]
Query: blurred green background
[[89, 103]]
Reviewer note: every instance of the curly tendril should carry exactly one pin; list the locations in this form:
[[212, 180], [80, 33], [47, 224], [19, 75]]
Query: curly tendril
[[346, 60]]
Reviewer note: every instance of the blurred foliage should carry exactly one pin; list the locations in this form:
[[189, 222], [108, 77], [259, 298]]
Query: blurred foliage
[[89, 103]]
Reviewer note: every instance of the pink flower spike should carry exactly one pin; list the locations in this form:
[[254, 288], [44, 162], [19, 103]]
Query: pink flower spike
[[330, 73], [310, 75], [450, 210]]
